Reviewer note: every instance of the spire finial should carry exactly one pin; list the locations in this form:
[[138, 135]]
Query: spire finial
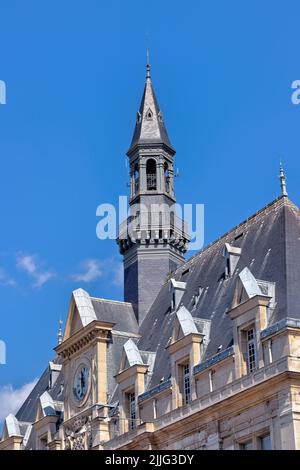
[[60, 334], [148, 64], [282, 179]]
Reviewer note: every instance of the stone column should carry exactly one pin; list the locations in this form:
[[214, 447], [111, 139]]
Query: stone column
[[143, 179]]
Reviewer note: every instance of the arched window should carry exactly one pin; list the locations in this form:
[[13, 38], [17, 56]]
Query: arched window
[[151, 174], [136, 174], [167, 177]]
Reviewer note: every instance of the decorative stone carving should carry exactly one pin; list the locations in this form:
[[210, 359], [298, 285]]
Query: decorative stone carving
[[78, 436]]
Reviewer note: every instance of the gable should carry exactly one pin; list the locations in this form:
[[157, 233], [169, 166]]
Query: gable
[[184, 324], [81, 313], [246, 287]]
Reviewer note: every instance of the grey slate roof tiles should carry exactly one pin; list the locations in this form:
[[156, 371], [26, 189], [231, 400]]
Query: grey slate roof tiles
[[150, 130], [120, 313], [270, 247]]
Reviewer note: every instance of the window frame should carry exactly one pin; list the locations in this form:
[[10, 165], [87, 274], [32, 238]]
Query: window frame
[[186, 388], [243, 444], [260, 440], [251, 352], [131, 410]]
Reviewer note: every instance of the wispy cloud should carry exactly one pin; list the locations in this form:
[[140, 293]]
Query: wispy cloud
[[6, 280], [91, 271], [118, 274], [11, 398], [29, 264]]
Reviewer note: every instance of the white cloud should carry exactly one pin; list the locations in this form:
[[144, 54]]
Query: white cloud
[[6, 280], [12, 399], [29, 264], [92, 270], [42, 278], [118, 274]]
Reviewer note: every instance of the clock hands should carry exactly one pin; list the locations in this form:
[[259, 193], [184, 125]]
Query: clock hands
[[81, 384], [82, 380]]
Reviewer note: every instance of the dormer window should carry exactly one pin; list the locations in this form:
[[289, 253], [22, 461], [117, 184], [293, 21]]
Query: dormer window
[[228, 267], [131, 381], [251, 350], [173, 300], [54, 371], [177, 289], [186, 384], [43, 443], [131, 410], [231, 255]]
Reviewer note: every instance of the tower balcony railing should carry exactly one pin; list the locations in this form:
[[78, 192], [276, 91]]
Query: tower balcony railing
[[154, 225]]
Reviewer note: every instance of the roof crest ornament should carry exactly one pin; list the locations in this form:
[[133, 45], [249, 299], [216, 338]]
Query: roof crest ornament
[[148, 64], [282, 180]]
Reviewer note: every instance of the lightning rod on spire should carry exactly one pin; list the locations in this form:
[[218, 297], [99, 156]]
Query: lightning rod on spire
[[148, 63], [282, 179]]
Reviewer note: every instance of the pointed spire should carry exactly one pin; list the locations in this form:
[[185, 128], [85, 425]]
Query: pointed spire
[[60, 334], [282, 181], [149, 128]]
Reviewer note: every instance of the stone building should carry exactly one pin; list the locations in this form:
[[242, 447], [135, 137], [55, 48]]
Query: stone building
[[202, 354]]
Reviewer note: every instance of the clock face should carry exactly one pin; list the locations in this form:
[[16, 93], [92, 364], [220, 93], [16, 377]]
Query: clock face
[[81, 382]]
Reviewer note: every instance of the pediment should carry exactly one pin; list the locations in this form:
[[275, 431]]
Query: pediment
[[46, 406], [11, 427], [81, 313], [130, 355], [184, 324], [246, 288]]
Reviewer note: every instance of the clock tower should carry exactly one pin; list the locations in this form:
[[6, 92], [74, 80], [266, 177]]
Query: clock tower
[[84, 360]]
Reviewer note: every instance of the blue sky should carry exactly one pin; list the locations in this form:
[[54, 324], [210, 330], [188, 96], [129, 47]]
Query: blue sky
[[74, 72]]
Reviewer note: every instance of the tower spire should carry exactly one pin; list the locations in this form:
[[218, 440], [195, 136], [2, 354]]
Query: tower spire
[[149, 126], [282, 179]]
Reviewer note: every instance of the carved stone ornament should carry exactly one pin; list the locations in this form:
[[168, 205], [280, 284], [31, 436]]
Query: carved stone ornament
[[78, 436]]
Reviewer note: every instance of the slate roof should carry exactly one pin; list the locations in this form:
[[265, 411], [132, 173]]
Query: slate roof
[[28, 410], [149, 131], [270, 248], [120, 313]]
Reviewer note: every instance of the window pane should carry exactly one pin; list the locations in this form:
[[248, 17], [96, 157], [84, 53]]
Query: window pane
[[246, 445], [132, 414], [251, 350], [265, 442], [186, 384]]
